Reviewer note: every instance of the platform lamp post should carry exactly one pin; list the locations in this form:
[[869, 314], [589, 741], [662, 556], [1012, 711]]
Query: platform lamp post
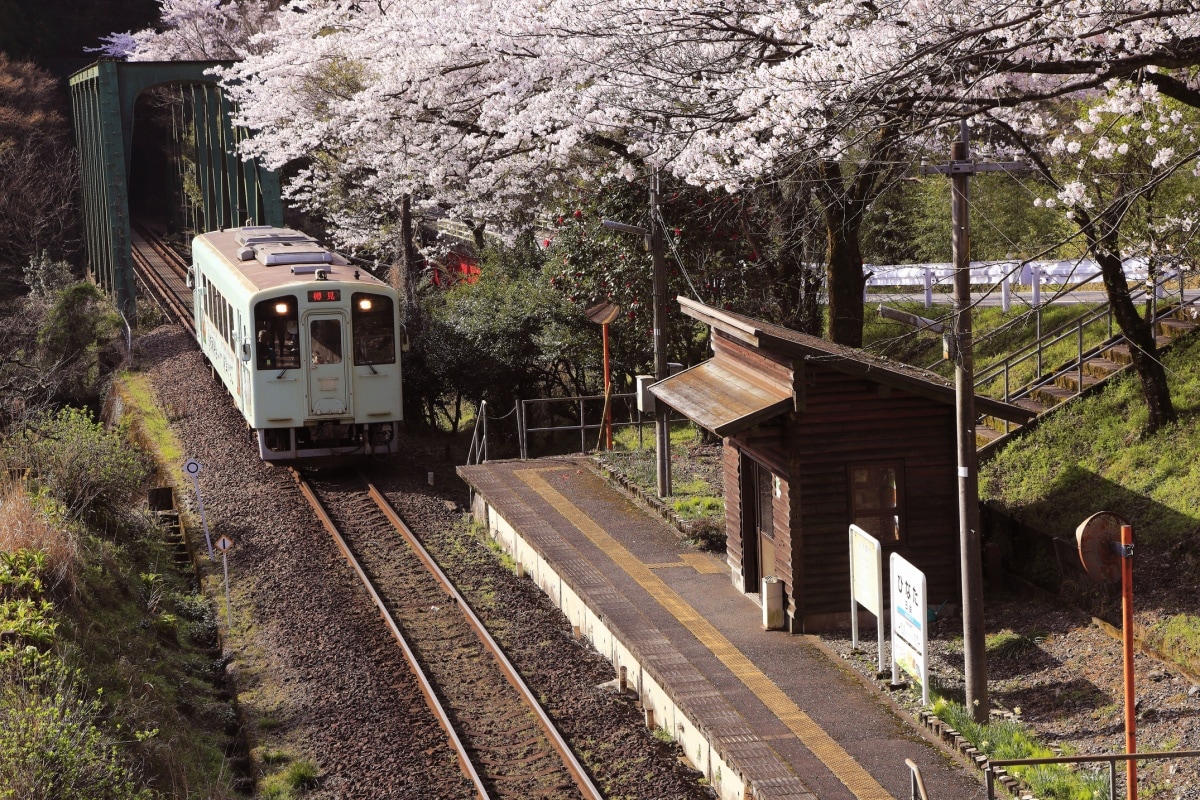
[[654, 243], [602, 314]]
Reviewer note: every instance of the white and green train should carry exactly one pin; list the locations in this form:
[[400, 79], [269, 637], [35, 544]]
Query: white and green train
[[307, 344]]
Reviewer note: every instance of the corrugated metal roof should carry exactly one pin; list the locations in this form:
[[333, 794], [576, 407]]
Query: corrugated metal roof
[[722, 399]]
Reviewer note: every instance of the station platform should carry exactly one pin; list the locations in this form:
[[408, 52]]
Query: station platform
[[763, 714]]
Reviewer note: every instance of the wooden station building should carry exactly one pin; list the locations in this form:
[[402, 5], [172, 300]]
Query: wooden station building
[[818, 436]]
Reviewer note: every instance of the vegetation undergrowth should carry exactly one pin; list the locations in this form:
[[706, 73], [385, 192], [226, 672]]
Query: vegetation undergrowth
[[697, 488], [1008, 738], [109, 684], [1093, 455]]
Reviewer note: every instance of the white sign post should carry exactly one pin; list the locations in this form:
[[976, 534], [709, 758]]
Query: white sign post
[[866, 583], [910, 624], [192, 468], [223, 544]]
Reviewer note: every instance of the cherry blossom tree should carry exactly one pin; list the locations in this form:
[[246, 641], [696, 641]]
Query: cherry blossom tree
[[195, 30]]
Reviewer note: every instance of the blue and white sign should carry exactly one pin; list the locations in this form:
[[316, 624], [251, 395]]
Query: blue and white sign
[[910, 623]]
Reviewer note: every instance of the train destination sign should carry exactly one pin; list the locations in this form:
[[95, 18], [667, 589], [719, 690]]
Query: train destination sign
[[324, 295], [910, 623]]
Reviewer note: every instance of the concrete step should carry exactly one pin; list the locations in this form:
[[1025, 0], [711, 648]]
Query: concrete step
[[1120, 354], [1174, 328], [1070, 381], [1101, 367], [1030, 404], [985, 434], [1051, 395]]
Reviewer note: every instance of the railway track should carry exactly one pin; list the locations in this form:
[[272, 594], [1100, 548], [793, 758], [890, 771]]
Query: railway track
[[506, 744], [163, 274]]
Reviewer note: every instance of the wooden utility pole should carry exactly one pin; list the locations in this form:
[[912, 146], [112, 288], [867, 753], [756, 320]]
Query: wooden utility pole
[[960, 169]]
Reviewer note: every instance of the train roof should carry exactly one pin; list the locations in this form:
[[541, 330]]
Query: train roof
[[268, 257]]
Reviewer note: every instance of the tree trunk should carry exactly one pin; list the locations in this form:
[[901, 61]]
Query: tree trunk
[[844, 276], [402, 275], [1139, 333]]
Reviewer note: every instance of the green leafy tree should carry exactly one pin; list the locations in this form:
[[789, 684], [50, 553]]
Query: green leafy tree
[[502, 336], [78, 326], [758, 253]]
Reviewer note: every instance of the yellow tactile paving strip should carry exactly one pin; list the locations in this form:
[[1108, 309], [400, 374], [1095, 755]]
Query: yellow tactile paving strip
[[821, 744]]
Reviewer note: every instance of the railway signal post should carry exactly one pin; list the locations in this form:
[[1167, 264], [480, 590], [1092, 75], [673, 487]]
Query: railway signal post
[[192, 468]]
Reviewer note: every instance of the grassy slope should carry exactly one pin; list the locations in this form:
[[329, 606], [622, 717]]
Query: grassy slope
[[1092, 455]]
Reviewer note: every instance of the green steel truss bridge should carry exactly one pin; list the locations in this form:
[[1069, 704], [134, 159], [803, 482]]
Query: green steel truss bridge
[[207, 185]]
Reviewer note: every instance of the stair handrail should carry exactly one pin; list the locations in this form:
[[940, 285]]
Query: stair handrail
[[1137, 294], [1054, 336], [1033, 309]]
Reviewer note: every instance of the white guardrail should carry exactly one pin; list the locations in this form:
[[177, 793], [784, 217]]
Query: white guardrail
[[1031, 274]]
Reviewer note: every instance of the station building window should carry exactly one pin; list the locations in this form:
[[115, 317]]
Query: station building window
[[876, 500], [373, 324], [276, 333]]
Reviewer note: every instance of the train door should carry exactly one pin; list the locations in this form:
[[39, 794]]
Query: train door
[[328, 369]]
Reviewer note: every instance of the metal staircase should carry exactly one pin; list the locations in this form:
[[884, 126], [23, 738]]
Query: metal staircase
[[1080, 368]]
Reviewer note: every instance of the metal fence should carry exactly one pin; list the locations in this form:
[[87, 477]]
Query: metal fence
[[1111, 758], [585, 414]]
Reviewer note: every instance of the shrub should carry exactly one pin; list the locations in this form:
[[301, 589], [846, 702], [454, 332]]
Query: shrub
[[25, 527], [78, 325], [82, 465], [51, 747]]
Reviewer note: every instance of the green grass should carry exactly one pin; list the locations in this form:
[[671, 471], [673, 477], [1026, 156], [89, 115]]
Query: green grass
[[1011, 645], [1010, 739], [154, 429], [1094, 455], [291, 782]]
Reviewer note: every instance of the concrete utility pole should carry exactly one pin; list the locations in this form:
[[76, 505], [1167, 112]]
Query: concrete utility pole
[[960, 169], [654, 243], [662, 429]]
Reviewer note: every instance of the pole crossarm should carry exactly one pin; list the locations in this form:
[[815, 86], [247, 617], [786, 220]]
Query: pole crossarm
[[969, 167], [104, 97]]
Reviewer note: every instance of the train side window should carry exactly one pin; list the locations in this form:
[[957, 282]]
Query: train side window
[[325, 339], [276, 333], [374, 329]]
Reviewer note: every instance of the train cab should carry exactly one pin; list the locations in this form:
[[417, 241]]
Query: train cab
[[307, 344]]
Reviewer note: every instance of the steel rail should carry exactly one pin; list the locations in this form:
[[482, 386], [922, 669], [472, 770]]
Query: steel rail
[[578, 773], [431, 699], [148, 272]]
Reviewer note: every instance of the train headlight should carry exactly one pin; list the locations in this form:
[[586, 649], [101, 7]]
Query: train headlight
[[365, 304], [281, 308]]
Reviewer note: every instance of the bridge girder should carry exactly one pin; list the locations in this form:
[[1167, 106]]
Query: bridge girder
[[103, 98]]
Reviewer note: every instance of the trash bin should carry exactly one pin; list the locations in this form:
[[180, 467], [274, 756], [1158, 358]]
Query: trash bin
[[772, 597]]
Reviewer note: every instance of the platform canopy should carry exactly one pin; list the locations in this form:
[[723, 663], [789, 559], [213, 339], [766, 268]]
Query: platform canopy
[[722, 398]]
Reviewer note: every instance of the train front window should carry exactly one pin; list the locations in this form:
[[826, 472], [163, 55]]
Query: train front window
[[325, 339], [373, 324], [276, 333]]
